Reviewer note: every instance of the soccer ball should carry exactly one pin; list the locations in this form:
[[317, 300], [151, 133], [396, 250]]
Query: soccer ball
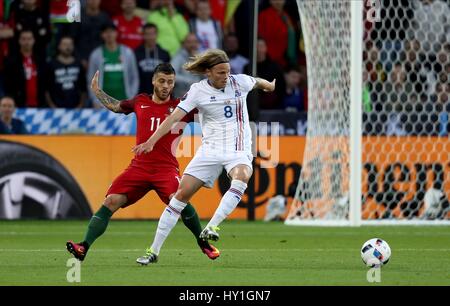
[[375, 252]]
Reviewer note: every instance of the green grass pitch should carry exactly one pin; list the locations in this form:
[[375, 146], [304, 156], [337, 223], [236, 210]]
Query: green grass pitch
[[253, 253]]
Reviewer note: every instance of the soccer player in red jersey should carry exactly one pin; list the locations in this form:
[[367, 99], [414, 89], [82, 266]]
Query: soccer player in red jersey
[[157, 170]]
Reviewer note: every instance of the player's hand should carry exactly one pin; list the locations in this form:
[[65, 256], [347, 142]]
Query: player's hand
[[143, 148], [94, 83], [271, 86]]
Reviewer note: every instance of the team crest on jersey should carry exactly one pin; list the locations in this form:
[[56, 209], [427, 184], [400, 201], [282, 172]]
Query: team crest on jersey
[[213, 99], [171, 110]]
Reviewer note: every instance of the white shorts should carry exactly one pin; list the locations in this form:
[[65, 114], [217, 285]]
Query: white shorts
[[207, 166]]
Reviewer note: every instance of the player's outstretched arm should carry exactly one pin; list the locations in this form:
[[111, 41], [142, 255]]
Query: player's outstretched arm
[[264, 84], [108, 101], [162, 130]]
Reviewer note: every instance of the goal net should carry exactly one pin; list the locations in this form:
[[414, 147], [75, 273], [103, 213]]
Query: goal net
[[377, 145]]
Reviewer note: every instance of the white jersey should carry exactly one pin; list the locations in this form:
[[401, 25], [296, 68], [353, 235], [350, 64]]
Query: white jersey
[[223, 113]]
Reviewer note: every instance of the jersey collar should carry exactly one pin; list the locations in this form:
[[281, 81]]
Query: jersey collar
[[209, 83]]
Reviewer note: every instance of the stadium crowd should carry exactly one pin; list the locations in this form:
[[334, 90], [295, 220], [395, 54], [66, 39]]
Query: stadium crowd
[[53, 60], [407, 69], [48, 62]]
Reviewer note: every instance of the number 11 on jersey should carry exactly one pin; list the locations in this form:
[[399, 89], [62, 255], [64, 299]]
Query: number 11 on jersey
[[158, 121]]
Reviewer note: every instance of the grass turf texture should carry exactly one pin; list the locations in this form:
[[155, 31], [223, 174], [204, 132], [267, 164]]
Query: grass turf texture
[[253, 253]]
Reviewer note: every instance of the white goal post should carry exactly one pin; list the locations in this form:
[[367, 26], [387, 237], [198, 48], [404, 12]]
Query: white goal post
[[377, 145]]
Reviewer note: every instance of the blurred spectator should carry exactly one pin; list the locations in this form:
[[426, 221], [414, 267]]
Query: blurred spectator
[[418, 72], [442, 59], [444, 76], [269, 70], [402, 101], [27, 15], [8, 124], [398, 90], [374, 66], [442, 93], [172, 26], [185, 79], [148, 56], [218, 8], [390, 11], [6, 35], [66, 78], [89, 30], [209, 32], [25, 82], [376, 75], [119, 76], [294, 97], [430, 23], [129, 25], [398, 77], [231, 47], [276, 27]]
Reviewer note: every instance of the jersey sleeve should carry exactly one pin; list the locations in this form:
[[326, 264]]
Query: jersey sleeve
[[191, 116], [188, 102], [246, 82], [127, 106]]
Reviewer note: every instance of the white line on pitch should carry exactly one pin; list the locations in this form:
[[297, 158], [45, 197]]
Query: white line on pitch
[[238, 250]]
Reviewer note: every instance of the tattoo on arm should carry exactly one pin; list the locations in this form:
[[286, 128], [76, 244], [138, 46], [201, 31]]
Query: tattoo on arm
[[108, 101]]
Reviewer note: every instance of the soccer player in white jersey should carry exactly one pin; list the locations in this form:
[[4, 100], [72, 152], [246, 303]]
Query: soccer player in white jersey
[[226, 141]]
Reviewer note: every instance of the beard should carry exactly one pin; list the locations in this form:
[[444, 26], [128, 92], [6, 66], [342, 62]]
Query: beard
[[160, 94]]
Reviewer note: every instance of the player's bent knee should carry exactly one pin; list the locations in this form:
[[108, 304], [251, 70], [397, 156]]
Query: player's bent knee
[[183, 195], [185, 191], [114, 201], [244, 178], [241, 173]]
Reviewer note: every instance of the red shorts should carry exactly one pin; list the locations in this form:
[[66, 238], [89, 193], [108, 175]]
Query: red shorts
[[136, 181]]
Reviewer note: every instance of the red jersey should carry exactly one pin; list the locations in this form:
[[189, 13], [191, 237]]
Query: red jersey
[[149, 116], [31, 81], [273, 28], [130, 32], [218, 10]]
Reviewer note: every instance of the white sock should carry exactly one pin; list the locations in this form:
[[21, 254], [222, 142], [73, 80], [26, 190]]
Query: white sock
[[167, 221], [229, 202]]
